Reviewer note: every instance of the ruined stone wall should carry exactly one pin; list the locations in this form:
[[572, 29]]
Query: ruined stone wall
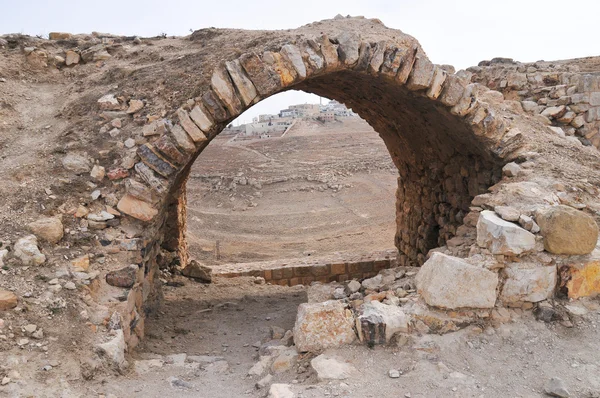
[[563, 94]]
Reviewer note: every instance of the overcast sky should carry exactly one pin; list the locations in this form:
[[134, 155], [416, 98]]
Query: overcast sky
[[460, 33]]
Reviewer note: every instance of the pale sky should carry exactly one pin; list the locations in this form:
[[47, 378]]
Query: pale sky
[[460, 33]]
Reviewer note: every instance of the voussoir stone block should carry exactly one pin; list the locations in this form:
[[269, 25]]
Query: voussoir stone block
[[323, 325], [422, 74], [264, 78], [282, 66], [567, 230], [189, 126], [502, 237], [292, 53], [223, 87], [156, 162], [348, 48], [243, 84], [183, 139], [449, 282]]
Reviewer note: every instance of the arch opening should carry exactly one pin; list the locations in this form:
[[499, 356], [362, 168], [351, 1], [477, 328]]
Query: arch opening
[[441, 164]]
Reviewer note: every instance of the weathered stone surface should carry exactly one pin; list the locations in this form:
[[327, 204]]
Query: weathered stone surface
[[217, 110], [190, 127], [264, 78], [140, 191], [98, 173], [280, 391], [242, 82], [8, 300], [502, 237], [197, 271], [378, 322], [323, 325], [135, 106], [27, 251], [72, 58], [48, 229], [282, 66], [157, 127], [136, 208], [348, 49], [183, 139], [330, 53], [582, 279], [508, 213], [124, 277], [202, 118], [223, 87], [567, 230], [156, 162], [421, 75], [78, 164], [157, 183], [329, 368], [449, 282], [528, 282], [292, 53], [554, 111], [109, 103], [169, 150], [437, 83], [452, 91], [114, 350], [511, 169], [284, 361], [555, 387], [81, 264]]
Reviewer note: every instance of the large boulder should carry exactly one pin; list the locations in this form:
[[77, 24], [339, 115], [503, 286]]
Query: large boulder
[[449, 282], [528, 282], [567, 230], [502, 237], [376, 317], [26, 249], [49, 229], [323, 325]]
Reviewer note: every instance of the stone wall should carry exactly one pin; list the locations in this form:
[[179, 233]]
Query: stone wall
[[293, 272], [563, 94]]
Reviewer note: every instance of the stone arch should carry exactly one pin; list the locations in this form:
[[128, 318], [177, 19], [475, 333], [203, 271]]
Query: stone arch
[[447, 136], [441, 137]]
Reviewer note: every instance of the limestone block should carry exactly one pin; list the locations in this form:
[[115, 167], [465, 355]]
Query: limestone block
[[190, 127], [507, 213], [183, 139], [437, 83], [377, 58], [453, 90], [582, 279], [329, 368], [202, 118], [136, 208], [49, 229], [449, 282], [264, 78], [243, 84], [376, 317], [528, 282], [27, 251], [76, 163], [502, 237], [292, 53], [280, 391], [348, 49], [282, 66], [330, 53], [223, 87], [156, 162], [323, 325], [72, 58], [167, 148], [8, 300], [114, 350], [567, 230], [422, 74], [157, 183], [196, 270]]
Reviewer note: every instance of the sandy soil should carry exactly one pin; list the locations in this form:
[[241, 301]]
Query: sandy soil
[[319, 189], [227, 318]]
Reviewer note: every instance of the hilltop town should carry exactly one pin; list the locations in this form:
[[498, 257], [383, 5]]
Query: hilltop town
[[276, 125]]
